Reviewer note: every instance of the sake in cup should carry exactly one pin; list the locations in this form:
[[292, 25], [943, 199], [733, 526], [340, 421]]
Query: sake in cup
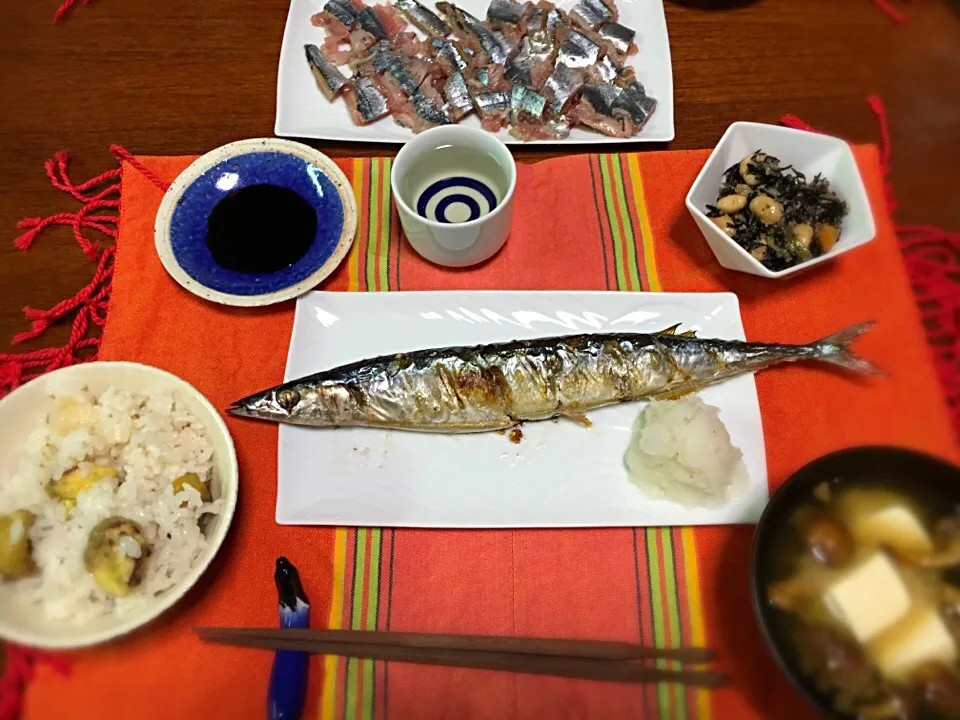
[[454, 190]]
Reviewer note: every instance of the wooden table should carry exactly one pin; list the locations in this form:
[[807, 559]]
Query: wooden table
[[182, 77]]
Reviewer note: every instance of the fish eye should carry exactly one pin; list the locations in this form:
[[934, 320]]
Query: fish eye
[[288, 399]]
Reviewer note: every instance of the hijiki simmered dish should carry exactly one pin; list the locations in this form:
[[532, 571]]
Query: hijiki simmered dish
[[105, 508], [871, 604], [534, 68], [775, 213]]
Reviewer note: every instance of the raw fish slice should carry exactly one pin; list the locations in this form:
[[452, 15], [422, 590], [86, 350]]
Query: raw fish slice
[[595, 110], [424, 18], [493, 109], [457, 95], [562, 85], [390, 18], [591, 14], [329, 79], [365, 100]]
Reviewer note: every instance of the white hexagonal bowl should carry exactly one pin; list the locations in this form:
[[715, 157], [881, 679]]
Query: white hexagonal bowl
[[810, 153]]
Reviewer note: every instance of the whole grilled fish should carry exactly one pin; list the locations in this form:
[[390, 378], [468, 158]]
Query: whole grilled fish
[[493, 387]]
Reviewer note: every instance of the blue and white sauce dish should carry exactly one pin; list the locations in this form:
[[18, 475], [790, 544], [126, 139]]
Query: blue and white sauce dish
[[453, 187], [256, 222]]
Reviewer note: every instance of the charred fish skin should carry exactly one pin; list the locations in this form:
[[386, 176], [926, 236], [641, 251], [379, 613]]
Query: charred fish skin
[[423, 18], [329, 79], [492, 387]]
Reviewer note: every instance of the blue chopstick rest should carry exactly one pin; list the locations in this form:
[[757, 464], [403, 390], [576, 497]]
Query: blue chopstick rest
[[288, 677]]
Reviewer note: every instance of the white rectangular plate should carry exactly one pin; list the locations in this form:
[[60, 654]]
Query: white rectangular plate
[[302, 111], [561, 474]]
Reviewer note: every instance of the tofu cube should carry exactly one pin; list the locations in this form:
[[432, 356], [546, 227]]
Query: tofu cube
[[870, 598], [896, 527], [919, 638]]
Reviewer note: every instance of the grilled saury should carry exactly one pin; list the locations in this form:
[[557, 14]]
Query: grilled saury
[[492, 387]]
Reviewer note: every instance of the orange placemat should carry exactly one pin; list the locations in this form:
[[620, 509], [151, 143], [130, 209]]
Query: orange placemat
[[584, 222]]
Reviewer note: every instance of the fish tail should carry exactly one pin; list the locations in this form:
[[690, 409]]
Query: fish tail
[[835, 349]]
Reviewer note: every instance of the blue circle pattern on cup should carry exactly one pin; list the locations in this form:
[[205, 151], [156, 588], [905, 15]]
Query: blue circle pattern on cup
[[188, 225], [450, 191]]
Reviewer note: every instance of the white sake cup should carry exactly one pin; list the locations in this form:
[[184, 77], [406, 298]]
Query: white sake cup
[[454, 244]]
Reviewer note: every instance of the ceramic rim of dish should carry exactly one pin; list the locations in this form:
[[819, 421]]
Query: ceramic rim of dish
[[204, 163]]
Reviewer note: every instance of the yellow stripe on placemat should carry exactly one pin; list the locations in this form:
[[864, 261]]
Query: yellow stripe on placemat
[[636, 179], [698, 629], [353, 263], [328, 698]]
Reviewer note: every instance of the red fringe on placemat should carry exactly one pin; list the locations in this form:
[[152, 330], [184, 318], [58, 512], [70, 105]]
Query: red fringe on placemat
[[20, 666], [89, 306], [890, 11], [932, 257], [65, 8]]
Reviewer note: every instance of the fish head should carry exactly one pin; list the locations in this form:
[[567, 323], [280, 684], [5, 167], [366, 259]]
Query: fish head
[[302, 402], [288, 403]]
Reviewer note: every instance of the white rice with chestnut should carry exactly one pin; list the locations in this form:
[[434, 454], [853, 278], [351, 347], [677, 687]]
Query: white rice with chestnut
[[106, 506]]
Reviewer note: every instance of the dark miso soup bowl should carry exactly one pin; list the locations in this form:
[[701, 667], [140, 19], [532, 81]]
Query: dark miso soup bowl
[[933, 482]]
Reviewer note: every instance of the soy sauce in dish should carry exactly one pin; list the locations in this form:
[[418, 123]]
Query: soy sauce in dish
[[260, 229]]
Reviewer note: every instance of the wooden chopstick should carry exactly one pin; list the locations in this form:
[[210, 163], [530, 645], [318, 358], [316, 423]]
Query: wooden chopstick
[[629, 671], [597, 649]]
